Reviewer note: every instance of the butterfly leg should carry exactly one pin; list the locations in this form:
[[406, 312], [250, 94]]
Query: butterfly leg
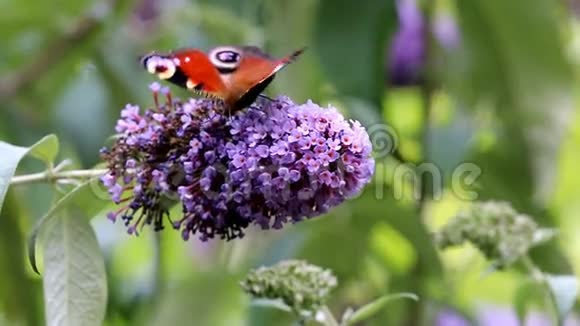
[[226, 109]]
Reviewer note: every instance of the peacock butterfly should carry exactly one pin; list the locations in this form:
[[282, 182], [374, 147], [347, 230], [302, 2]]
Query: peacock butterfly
[[236, 75]]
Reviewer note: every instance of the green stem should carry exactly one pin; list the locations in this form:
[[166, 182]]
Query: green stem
[[539, 276], [416, 313], [51, 176], [534, 271], [329, 319]]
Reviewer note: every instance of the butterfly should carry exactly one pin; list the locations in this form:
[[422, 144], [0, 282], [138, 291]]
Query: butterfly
[[237, 75]]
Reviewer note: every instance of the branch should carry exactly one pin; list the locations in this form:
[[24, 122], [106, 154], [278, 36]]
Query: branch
[[51, 176], [54, 53]]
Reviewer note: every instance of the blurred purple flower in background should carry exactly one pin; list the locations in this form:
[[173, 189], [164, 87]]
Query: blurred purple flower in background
[[449, 317], [491, 315], [406, 55], [274, 163], [488, 315]]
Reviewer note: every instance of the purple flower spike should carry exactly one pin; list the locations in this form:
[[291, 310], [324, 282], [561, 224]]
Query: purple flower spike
[[271, 164], [406, 54]]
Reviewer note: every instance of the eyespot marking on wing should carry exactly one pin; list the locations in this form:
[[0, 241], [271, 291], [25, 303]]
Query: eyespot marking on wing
[[225, 58], [161, 66]]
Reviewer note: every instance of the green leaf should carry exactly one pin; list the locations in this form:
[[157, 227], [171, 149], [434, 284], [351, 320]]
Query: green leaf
[[269, 303], [370, 309], [46, 149], [83, 196], [18, 291], [564, 291], [351, 38], [11, 156], [74, 281]]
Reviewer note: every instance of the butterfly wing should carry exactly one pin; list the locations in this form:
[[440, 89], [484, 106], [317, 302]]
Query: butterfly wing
[[188, 68], [237, 75], [255, 72]]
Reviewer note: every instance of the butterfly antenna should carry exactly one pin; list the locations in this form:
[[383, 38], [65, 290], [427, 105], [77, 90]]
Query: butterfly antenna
[[266, 97]]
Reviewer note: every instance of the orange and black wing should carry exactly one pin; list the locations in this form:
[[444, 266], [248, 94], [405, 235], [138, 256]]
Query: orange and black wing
[[188, 68], [237, 75], [255, 72]]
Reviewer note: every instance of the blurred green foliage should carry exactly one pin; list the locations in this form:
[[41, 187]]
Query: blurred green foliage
[[504, 99]]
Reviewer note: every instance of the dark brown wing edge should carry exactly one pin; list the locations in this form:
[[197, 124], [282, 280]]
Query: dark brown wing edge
[[250, 96]]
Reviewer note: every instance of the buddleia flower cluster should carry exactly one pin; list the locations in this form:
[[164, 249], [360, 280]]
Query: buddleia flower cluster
[[303, 287], [272, 163], [496, 229]]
